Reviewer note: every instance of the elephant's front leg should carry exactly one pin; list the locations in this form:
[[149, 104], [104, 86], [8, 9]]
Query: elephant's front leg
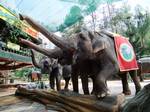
[[58, 82], [84, 79], [67, 79], [135, 80], [52, 81], [100, 85], [74, 76], [93, 81]]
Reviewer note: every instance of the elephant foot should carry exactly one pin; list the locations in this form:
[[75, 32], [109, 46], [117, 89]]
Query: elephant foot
[[128, 92], [102, 95]]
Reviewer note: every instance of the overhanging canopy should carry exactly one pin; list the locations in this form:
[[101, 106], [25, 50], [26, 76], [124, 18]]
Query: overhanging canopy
[[55, 14]]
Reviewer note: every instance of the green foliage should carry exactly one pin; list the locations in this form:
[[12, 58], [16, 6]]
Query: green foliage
[[10, 33], [22, 72], [83, 8], [74, 16]]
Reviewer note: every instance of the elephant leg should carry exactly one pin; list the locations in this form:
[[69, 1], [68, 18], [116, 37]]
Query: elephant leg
[[100, 86], [135, 80], [67, 79], [125, 85], [93, 90], [74, 77], [141, 77], [139, 74], [52, 81], [84, 79], [58, 82]]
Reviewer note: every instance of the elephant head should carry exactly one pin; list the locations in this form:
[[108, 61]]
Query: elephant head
[[44, 64]]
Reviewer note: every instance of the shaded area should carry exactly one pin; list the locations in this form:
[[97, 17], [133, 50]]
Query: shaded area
[[139, 103], [18, 104]]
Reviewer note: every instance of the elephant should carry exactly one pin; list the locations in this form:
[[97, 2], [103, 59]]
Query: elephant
[[96, 55], [55, 74], [91, 54], [52, 67], [144, 67], [48, 66], [44, 64]]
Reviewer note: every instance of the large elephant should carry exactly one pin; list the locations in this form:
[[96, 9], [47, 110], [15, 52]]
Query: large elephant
[[144, 67], [96, 55], [91, 54]]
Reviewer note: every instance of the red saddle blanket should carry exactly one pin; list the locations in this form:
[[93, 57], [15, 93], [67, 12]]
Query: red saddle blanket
[[125, 54]]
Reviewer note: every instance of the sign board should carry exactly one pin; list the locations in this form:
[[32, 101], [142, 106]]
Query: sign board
[[12, 19]]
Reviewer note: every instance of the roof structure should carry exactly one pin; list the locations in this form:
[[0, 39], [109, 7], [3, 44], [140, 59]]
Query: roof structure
[[55, 14]]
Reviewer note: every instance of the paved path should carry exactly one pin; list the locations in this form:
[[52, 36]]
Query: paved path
[[115, 87]]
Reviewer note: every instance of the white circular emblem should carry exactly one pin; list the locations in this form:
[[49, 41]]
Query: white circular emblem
[[126, 52]]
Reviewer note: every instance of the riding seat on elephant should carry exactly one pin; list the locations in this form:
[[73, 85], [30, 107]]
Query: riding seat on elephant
[[91, 54]]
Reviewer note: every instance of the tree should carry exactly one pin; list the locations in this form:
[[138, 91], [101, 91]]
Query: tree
[[70, 19], [135, 26]]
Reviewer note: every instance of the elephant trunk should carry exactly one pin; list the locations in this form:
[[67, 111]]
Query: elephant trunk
[[50, 36], [34, 60], [53, 53]]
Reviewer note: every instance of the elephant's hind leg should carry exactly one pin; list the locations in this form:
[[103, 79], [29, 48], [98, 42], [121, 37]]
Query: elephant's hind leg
[[125, 86], [135, 80]]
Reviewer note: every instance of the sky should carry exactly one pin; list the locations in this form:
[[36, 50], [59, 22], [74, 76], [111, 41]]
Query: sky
[[53, 11], [47, 11]]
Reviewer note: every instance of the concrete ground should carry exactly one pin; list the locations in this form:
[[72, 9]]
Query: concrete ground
[[114, 86]]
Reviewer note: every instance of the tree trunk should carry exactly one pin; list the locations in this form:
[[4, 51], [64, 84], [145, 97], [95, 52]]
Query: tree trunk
[[73, 102]]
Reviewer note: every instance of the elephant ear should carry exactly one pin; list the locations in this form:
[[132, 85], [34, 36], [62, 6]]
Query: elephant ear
[[98, 47]]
